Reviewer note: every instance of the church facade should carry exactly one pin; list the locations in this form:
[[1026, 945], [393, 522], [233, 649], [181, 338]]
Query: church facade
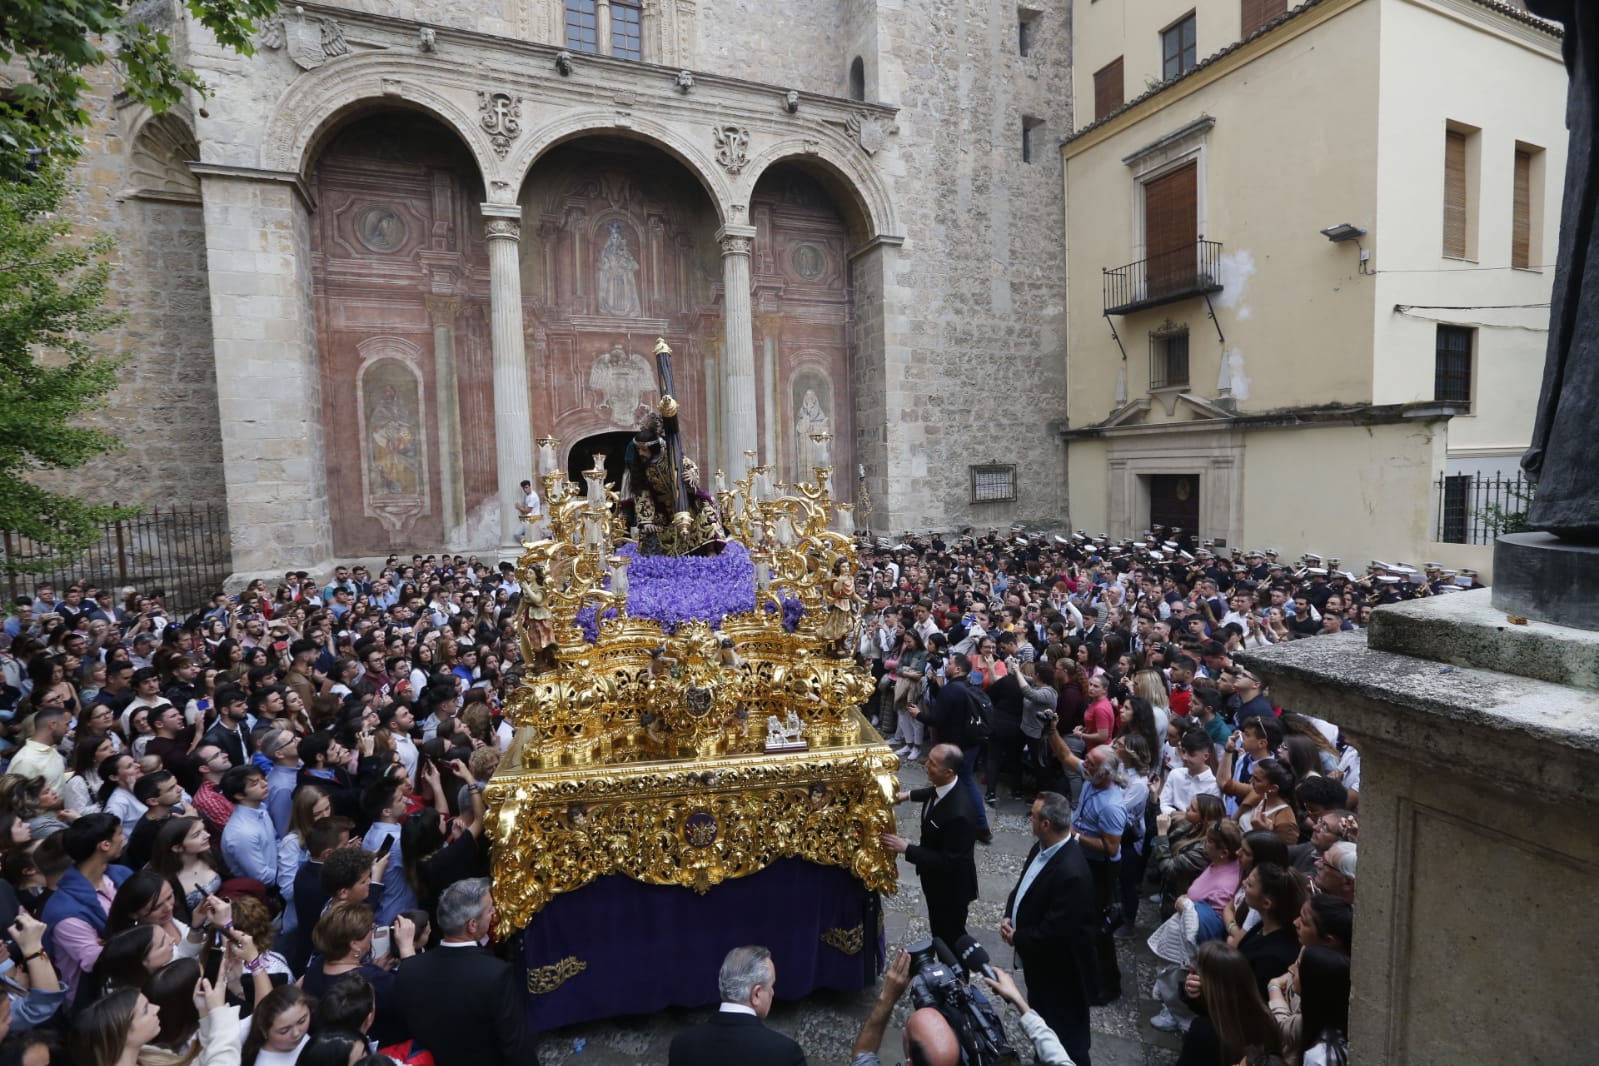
[[404, 242]]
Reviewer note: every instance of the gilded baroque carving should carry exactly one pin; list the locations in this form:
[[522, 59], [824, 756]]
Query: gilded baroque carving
[[501, 118], [732, 147], [871, 130], [546, 979], [849, 941]]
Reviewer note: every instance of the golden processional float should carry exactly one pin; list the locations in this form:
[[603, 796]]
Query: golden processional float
[[667, 737]]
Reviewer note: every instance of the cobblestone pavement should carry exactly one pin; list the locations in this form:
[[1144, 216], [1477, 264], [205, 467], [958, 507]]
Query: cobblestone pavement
[[826, 1024]]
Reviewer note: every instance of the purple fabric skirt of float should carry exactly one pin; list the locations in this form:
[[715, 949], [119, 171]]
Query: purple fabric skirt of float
[[618, 946]]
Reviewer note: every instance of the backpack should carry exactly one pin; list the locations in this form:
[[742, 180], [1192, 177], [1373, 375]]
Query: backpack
[[980, 716]]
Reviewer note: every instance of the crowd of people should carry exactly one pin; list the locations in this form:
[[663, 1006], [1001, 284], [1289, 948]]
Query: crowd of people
[[257, 828], [1107, 685], [255, 831]]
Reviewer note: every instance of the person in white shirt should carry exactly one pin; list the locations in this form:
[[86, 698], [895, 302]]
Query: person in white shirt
[[1193, 778]]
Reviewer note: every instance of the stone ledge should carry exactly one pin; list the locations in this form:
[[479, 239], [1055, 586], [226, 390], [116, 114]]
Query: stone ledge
[[1517, 731], [1465, 629]]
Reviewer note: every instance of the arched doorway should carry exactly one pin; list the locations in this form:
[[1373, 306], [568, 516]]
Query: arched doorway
[[400, 274], [611, 445], [625, 252]]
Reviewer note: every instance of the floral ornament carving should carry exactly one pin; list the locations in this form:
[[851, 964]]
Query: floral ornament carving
[[872, 131], [501, 118], [732, 147]]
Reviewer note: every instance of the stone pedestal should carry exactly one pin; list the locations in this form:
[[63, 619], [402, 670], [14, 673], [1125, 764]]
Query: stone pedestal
[[1476, 928]]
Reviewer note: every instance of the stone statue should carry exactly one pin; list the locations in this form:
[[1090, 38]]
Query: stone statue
[[808, 419], [617, 276], [1565, 435], [622, 379]]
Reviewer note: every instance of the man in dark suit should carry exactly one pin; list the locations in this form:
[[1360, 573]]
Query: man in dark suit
[[1051, 921], [229, 731], [943, 859], [734, 1034], [463, 1004]]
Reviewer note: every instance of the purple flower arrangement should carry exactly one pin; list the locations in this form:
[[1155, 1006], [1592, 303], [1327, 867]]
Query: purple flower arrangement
[[677, 589]]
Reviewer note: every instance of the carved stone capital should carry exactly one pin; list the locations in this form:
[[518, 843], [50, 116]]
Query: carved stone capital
[[502, 229], [736, 240], [443, 309]]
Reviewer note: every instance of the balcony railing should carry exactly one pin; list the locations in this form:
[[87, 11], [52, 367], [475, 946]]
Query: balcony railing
[[1192, 270]]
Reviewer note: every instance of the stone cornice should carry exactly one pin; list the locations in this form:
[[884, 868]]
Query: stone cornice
[[272, 177]]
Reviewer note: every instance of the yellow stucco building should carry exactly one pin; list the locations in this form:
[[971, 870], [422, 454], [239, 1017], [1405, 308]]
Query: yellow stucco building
[[1309, 259]]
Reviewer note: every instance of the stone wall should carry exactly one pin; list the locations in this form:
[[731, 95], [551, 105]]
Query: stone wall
[[135, 187], [981, 278]]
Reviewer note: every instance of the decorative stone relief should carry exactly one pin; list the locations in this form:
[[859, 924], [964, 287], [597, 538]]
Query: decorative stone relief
[[685, 81], [732, 147], [736, 244], [159, 163], [501, 118], [503, 227], [426, 39], [563, 63], [791, 101], [310, 41], [872, 131]]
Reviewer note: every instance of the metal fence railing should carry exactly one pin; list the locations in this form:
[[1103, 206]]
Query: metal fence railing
[[1476, 508], [1188, 270], [185, 552]]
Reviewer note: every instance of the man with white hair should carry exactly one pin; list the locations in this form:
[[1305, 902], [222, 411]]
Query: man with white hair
[[463, 1004], [735, 1032], [1335, 871]]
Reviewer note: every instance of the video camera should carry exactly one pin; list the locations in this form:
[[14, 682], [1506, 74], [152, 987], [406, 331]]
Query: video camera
[[938, 980]]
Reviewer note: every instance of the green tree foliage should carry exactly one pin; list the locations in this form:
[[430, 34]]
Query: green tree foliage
[[57, 40], [52, 296]]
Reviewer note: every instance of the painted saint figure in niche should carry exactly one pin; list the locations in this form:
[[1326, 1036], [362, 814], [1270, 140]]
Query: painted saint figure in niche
[[808, 419], [617, 277], [622, 379], [396, 465]]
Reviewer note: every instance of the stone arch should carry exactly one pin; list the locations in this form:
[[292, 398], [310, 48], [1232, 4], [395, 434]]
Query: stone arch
[[590, 123], [158, 165], [320, 102], [857, 189]]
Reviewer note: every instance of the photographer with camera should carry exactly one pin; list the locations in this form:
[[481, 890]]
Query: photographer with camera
[[931, 1039]]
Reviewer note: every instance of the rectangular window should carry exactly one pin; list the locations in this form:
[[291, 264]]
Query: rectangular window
[[582, 26], [1178, 54], [1168, 359], [1521, 211], [625, 34], [1454, 511], [1030, 135], [1109, 93], [1256, 13], [993, 483], [1171, 231], [1026, 27], [1462, 161], [1452, 365]]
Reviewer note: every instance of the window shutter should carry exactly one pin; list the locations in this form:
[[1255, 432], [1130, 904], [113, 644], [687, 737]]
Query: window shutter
[[1256, 13], [1109, 93], [1171, 228], [1455, 194], [1521, 213]]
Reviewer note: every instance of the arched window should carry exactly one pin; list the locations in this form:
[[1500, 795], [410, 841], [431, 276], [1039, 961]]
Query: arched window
[[857, 79]]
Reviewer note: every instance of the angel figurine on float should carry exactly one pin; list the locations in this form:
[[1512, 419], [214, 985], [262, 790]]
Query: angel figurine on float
[[838, 625]]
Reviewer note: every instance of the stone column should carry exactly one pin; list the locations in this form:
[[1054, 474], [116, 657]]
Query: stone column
[[602, 26], [740, 432], [513, 430], [442, 311], [269, 385]]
